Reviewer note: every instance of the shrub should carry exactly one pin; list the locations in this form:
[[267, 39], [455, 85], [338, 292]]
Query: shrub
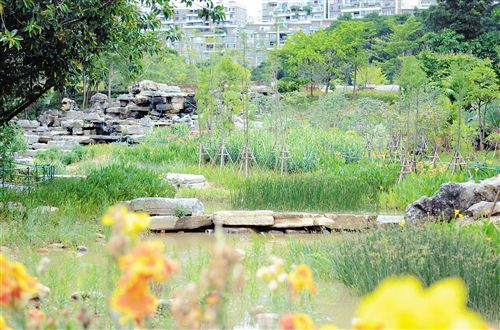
[[11, 142]]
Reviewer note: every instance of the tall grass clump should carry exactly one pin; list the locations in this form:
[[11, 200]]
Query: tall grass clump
[[352, 188], [60, 158], [430, 253]]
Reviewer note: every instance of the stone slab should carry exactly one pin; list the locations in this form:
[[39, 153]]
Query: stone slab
[[350, 221], [164, 222], [167, 206], [294, 219], [244, 218], [389, 219]]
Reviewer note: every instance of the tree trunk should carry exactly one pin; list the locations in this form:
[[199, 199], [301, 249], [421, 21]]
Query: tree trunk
[[481, 127], [355, 77], [110, 78]]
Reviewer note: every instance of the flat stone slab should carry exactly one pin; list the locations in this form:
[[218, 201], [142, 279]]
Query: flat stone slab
[[244, 218], [163, 222], [294, 219], [389, 219], [185, 180], [167, 206], [349, 221], [194, 222]]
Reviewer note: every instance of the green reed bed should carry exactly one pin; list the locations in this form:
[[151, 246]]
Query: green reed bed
[[352, 187], [430, 253]]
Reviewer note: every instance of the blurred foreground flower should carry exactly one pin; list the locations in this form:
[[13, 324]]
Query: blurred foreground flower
[[36, 319], [146, 262], [274, 275], [126, 227], [298, 321], [403, 303], [130, 223], [16, 285], [301, 278], [3, 324]]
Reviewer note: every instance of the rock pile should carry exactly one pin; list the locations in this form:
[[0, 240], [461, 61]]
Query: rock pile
[[469, 198], [129, 118]]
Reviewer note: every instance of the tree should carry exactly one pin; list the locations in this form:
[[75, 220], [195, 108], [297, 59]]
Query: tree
[[446, 41], [483, 89], [469, 18], [402, 41], [44, 44]]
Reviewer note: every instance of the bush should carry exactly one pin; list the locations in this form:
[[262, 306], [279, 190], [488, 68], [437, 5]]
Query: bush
[[430, 253], [11, 142]]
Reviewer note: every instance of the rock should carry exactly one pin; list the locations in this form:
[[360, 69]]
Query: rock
[[146, 122], [389, 219], [185, 180], [28, 123], [349, 221], [132, 129], [163, 222], [451, 197], [82, 248], [293, 220], [31, 139], [71, 114], [92, 116], [132, 107], [167, 206], [78, 123], [99, 98], [194, 222], [68, 104], [56, 246], [244, 218], [295, 231], [141, 99], [483, 209]]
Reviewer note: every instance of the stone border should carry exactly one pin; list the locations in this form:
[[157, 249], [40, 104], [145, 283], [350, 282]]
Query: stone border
[[245, 222]]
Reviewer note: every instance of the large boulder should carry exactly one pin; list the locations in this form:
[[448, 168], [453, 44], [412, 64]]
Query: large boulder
[[179, 180], [450, 197], [167, 206]]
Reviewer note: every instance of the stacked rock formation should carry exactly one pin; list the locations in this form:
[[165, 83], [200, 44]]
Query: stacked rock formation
[[129, 118]]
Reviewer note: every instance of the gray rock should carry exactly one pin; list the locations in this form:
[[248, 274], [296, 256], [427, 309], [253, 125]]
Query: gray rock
[[179, 180], [31, 139], [28, 123], [92, 116], [451, 197], [99, 98], [293, 220], [171, 222], [167, 206], [348, 221], [239, 231], [483, 209], [72, 114]]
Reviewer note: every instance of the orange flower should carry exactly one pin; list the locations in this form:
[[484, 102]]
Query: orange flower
[[301, 279], [147, 259], [133, 300], [16, 285], [298, 321], [145, 262]]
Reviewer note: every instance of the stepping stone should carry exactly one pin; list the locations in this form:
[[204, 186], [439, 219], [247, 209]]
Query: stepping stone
[[294, 219], [244, 218], [166, 206], [349, 221]]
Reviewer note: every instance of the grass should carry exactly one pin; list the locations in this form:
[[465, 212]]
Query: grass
[[353, 188], [361, 261]]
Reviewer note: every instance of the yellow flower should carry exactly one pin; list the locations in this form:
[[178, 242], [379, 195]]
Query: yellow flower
[[299, 321], [301, 279], [403, 303], [3, 324], [130, 223], [458, 214], [402, 223], [16, 285]]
